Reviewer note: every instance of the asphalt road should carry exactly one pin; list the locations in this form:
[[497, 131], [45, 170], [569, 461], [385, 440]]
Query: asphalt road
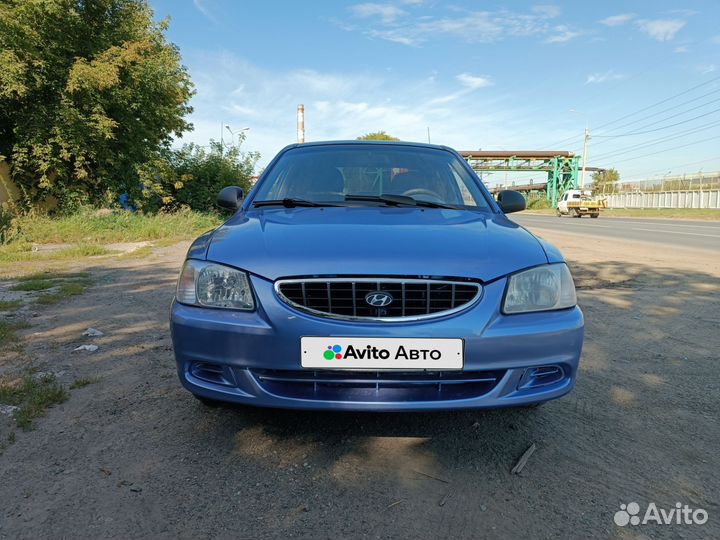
[[674, 232]]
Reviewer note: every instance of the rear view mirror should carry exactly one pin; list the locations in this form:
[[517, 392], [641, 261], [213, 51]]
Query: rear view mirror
[[511, 201], [230, 197]]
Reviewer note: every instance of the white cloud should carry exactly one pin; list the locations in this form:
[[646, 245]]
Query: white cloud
[[715, 39], [681, 49], [562, 34], [472, 81], [609, 75], [201, 6], [617, 20], [661, 29], [387, 12], [346, 104], [547, 11], [467, 26], [704, 69]]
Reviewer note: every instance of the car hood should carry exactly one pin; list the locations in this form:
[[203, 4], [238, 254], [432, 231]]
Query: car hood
[[285, 242]]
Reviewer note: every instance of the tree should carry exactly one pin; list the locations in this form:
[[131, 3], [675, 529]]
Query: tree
[[605, 180], [377, 136], [192, 177], [89, 90]]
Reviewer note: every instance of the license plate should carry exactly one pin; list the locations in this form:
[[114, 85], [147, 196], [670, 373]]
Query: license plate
[[380, 353]]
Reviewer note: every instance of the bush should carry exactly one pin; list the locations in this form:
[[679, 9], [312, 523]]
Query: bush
[[538, 204], [191, 177]]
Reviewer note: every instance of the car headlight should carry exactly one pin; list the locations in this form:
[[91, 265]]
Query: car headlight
[[214, 285], [542, 288]]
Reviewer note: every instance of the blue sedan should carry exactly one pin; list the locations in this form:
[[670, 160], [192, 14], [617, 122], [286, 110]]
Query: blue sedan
[[374, 276]]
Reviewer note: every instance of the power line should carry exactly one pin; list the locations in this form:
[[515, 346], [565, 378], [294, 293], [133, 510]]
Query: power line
[[658, 103], [660, 128], [667, 150], [660, 140], [580, 136], [674, 107], [632, 177]]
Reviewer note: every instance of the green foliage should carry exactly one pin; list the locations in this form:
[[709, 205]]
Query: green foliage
[[88, 90], [191, 177], [377, 136], [604, 180]]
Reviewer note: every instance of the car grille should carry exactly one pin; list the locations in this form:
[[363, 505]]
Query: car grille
[[344, 298], [376, 386]]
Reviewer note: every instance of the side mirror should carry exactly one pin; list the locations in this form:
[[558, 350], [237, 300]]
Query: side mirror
[[511, 201], [230, 197]]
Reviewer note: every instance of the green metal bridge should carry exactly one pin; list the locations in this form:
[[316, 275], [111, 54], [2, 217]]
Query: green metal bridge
[[561, 168]]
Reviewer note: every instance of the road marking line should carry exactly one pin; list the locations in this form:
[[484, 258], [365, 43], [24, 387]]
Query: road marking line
[[677, 232]]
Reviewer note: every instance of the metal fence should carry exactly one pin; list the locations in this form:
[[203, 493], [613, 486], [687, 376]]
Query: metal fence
[[666, 199]]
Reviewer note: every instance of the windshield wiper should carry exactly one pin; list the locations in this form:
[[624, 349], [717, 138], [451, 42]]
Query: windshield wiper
[[291, 203], [395, 200]]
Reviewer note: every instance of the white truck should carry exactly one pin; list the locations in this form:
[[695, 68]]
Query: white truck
[[579, 203]]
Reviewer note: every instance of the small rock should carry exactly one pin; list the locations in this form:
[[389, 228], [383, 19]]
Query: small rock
[[89, 348], [136, 489], [8, 410], [92, 332]]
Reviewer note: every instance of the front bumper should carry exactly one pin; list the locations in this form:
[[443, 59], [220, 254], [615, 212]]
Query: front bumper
[[254, 357]]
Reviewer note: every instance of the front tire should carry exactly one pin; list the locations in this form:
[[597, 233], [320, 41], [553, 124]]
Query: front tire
[[595, 215]]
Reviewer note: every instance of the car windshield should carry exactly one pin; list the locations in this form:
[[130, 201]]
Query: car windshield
[[371, 175]]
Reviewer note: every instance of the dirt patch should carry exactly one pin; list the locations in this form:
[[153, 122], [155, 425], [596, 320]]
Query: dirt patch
[[132, 454]]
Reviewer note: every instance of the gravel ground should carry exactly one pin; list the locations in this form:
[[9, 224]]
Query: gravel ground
[[133, 455]]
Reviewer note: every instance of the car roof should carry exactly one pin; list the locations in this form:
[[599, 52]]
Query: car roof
[[368, 143]]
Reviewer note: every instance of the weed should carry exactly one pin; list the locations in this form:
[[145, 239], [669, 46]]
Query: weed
[[7, 305], [33, 395], [82, 382]]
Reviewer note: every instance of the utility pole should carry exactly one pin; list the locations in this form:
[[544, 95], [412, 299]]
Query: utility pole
[[428, 130], [222, 142], [301, 123], [585, 154]]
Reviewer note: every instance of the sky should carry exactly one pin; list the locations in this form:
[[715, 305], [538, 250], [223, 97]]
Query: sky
[[642, 76]]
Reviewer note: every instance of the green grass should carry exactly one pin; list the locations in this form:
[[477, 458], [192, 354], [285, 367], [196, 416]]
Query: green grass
[[54, 275], [87, 227], [138, 253], [7, 333], [538, 204], [7, 305], [64, 285], [22, 252], [82, 382], [33, 396], [7, 442], [38, 284], [65, 290]]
